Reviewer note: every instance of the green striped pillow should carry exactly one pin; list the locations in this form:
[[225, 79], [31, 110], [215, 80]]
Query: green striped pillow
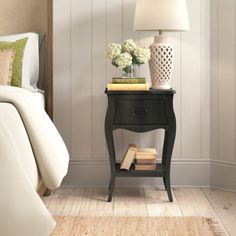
[[19, 47]]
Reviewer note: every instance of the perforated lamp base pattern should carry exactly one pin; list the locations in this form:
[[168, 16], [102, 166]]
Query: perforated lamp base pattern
[[161, 63]]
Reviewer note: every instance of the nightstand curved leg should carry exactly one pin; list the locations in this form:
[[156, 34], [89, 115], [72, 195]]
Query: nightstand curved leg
[[164, 181], [111, 188], [168, 188]]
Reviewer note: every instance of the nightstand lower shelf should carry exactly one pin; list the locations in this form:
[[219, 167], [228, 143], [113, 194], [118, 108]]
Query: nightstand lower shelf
[[159, 172]]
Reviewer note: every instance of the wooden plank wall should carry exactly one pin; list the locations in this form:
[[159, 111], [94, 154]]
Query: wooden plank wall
[[81, 32], [223, 80], [223, 90]]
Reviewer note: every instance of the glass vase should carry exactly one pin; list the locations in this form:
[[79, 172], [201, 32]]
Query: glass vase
[[129, 72]]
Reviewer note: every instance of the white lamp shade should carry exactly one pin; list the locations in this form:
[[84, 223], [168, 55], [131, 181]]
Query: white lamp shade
[[167, 15]]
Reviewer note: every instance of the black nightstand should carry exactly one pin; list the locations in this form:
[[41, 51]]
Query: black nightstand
[[141, 111]]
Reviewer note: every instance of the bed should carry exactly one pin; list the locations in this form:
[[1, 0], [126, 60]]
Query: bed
[[33, 156]]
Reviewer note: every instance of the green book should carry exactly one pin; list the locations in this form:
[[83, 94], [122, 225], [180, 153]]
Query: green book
[[136, 80]]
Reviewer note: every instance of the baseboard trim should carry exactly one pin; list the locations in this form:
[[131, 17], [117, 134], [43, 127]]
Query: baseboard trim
[[223, 189], [97, 161], [185, 173], [223, 175]]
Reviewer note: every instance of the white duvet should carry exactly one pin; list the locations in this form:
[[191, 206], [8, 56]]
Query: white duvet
[[21, 210]]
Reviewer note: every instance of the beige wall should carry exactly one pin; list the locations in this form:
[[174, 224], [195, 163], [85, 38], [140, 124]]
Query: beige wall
[[81, 32], [18, 16]]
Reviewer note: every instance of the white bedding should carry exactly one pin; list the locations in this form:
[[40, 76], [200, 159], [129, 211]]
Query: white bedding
[[13, 130], [21, 210], [39, 98]]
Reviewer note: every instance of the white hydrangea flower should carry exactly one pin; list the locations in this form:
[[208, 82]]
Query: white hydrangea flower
[[124, 60], [129, 45], [113, 50], [142, 54]]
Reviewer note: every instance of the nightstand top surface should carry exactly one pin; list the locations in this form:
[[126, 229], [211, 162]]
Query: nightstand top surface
[[148, 92]]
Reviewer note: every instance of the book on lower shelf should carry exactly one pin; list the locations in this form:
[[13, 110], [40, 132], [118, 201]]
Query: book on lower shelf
[[145, 166], [127, 87], [146, 159], [129, 157], [143, 158], [146, 154]]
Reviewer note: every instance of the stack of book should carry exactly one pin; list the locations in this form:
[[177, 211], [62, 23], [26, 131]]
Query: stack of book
[[128, 84], [146, 159], [143, 158]]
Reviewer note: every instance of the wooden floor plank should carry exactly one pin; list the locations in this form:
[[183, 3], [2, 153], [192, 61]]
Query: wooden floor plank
[[95, 203], [66, 201], [130, 202], [224, 204], [159, 205], [218, 204], [193, 202]]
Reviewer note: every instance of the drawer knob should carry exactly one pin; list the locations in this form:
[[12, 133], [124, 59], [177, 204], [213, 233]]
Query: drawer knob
[[140, 112]]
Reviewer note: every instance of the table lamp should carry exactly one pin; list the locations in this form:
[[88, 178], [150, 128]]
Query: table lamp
[[159, 16]]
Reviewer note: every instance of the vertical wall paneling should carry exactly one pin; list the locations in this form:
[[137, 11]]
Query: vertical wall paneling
[[191, 84], [223, 80], [81, 79], [81, 33], [175, 39], [205, 70], [226, 83], [99, 102], [115, 34], [146, 39], [214, 79], [61, 67], [223, 89]]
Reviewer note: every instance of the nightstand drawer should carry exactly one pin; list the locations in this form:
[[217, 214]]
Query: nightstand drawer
[[136, 112]]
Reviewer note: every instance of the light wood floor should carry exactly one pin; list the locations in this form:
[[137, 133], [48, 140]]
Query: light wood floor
[[146, 202]]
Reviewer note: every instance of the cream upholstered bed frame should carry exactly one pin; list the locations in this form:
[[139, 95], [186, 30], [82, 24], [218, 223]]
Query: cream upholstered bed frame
[[18, 16]]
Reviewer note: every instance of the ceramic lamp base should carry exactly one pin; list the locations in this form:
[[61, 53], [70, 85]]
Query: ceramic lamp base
[[159, 86], [161, 63]]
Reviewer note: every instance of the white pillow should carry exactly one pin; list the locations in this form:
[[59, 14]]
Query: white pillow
[[30, 67]]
